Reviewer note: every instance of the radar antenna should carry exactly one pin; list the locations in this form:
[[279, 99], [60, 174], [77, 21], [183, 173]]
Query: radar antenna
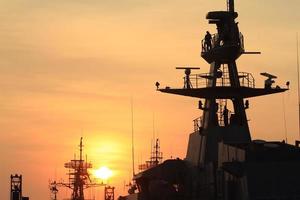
[[269, 81], [187, 80]]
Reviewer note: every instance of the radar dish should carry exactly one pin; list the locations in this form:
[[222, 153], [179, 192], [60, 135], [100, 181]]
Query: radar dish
[[268, 75]]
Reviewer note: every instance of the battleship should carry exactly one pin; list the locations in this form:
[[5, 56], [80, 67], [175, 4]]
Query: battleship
[[222, 161]]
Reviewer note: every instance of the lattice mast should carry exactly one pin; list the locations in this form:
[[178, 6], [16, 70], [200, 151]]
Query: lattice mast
[[53, 190], [223, 88], [109, 193], [225, 91], [155, 157], [79, 177], [16, 187], [156, 154]]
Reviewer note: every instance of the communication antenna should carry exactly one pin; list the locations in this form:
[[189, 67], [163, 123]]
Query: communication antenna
[[298, 84], [153, 126], [132, 138], [284, 119], [230, 5], [154, 134]]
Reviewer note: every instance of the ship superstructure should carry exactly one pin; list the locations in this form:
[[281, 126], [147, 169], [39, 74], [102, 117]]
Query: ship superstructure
[[222, 161]]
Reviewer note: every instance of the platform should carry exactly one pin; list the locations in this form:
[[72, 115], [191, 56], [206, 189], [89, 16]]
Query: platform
[[223, 92]]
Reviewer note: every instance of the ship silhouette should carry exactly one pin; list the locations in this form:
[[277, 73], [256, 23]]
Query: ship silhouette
[[222, 161]]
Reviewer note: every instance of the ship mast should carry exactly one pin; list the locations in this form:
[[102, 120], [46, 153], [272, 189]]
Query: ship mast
[[79, 177], [225, 91]]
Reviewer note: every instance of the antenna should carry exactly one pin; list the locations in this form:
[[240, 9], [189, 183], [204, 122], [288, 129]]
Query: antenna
[[266, 74], [132, 138], [187, 71], [153, 126], [80, 148], [154, 134], [284, 119], [298, 84], [230, 5], [269, 81]]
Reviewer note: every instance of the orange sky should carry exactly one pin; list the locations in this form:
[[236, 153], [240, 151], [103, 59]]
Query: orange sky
[[70, 68]]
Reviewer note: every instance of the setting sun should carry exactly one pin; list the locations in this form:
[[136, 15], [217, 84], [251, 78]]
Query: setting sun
[[103, 173]]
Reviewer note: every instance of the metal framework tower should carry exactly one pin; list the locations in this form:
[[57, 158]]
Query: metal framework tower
[[156, 154], [79, 177], [155, 158], [53, 190], [16, 187], [109, 193]]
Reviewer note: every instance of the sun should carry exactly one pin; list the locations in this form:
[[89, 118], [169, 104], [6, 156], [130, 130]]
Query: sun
[[103, 173]]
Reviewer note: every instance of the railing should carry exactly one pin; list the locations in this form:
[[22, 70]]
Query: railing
[[247, 79], [203, 80], [216, 41]]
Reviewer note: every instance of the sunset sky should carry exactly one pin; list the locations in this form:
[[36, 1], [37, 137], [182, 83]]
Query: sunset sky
[[69, 68]]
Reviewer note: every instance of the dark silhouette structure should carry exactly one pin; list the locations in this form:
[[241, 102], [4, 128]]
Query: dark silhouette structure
[[16, 188], [222, 161], [109, 193], [79, 177], [155, 158], [53, 189]]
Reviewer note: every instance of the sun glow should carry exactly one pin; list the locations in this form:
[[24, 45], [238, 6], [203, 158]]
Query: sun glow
[[103, 173]]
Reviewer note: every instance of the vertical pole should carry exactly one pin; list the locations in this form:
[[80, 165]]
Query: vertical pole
[[21, 185], [132, 138], [11, 191], [284, 119], [298, 85], [80, 146], [80, 173], [230, 5]]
